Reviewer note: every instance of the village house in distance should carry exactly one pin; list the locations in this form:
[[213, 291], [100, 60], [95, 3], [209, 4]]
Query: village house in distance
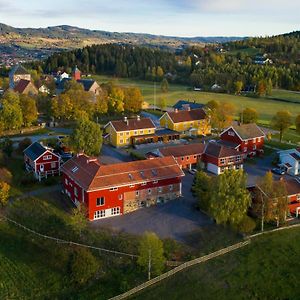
[[111, 190]]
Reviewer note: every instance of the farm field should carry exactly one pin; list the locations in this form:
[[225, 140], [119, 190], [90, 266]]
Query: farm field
[[266, 269], [266, 107]]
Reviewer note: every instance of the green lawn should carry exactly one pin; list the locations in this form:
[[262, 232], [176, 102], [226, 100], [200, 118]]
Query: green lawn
[[266, 269], [265, 106]]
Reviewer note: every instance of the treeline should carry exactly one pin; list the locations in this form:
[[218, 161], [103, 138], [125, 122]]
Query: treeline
[[119, 60]]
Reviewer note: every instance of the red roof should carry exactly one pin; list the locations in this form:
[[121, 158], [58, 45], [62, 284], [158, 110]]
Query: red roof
[[187, 115], [183, 150], [292, 187], [91, 175], [220, 151], [21, 85], [132, 124]]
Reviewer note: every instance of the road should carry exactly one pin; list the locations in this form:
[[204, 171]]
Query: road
[[175, 219], [111, 155]]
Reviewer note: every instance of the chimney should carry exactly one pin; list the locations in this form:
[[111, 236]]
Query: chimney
[[176, 110], [126, 121], [188, 108], [138, 118]]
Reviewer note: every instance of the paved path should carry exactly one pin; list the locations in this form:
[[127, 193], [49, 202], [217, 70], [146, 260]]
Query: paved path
[[111, 155], [175, 219]]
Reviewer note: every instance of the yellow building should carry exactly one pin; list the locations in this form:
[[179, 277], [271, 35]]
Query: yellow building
[[120, 132], [188, 122]]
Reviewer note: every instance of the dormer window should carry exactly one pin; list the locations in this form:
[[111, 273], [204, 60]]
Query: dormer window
[[75, 169]]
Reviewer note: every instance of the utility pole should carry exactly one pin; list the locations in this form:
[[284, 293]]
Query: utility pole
[[262, 207], [154, 93], [149, 264]]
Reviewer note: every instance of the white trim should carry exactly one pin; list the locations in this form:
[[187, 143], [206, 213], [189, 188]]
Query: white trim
[[244, 140]]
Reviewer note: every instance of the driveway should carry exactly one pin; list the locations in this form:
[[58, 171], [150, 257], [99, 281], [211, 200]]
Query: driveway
[[175, 219], [111, 155]]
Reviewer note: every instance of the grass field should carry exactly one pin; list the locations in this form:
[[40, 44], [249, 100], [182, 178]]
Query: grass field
[[265, 106], [267, 269]]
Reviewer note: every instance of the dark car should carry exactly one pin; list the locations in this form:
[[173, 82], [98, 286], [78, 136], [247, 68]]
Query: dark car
[[278, 171]]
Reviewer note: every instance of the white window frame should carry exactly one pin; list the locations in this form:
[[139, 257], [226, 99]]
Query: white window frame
[[171, 187], [99, 214], [101, 198]]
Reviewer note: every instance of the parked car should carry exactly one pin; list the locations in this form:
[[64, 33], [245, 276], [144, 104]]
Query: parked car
[[278, 171]]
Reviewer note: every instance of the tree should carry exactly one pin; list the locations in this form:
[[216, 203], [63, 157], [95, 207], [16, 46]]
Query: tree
[[7, 147], [238, 85], [159, 72], [261, 89], [79, 218], [83, 266], [222, 116], [249, 115], [202, 187], [230, 199], [23, 144], [133, 99], [297, 123], [151, 254], [29, 110], [4, 193], [164, 86], [86, 137], [162, 103], [282, 121]]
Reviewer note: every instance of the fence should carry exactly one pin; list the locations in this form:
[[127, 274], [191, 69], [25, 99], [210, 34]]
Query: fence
[[180, 268]]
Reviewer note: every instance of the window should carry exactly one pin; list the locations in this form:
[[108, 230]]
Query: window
[[155, 182], [53, 165], [66, 181], [149, 130], [137, 193], [75, 192], [160, 189], [113, 189], [120, 197], [127, 141], [115, 211], [127, 133], [245, 149], [258, 140], [135, 132], [100, 201], [254, 147], [121, 134], [238, 158], [75, 169], [121, 141], [131, 186], [195, 156], [246, 142], [231, 133], [171, 187], [182, 158], [141, 131], [149, 192], [99, 214], [47, 157], [254, 140], [187, 158], [144, 183], [222, 161], [298, 197]]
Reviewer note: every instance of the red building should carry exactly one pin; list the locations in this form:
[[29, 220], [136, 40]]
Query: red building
[[42, 161], [213, 157], [187, 156], [246, 138], [110, 190], [76, 75]]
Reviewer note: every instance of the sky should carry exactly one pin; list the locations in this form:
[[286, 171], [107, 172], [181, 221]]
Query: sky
[[165, 17]]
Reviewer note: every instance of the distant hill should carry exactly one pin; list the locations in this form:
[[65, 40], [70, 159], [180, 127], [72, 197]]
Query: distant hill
[[40, 42]]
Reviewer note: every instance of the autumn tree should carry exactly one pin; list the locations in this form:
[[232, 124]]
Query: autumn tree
[[249, 115], [86, 137], [159, 72], [230, 199], [133, 99], [222, 115], [238, 86], [261, 88], [4, 193], [162, 104], [282, 121], [151, 254], [29, 110], [116, 100], [164, 86]]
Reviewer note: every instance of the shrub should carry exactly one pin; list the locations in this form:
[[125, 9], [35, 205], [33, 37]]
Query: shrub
[[83, 266], [28, 180], [247, 225]]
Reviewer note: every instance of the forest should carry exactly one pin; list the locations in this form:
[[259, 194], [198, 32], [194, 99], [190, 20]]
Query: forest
[[232, 66]]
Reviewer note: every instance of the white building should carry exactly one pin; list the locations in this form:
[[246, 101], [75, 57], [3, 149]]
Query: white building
[[290, 160]]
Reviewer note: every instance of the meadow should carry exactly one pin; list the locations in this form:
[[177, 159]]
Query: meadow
[[266, 269], [266, 106]]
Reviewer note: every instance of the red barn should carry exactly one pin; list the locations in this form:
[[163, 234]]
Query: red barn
[[42, 161], [110, 190], [293, 192], [247, 138]]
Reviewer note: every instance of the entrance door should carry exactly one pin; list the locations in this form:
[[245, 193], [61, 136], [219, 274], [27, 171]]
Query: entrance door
[[42, 168]]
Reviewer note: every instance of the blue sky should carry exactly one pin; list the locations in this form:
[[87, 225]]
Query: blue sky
[[166, 17]]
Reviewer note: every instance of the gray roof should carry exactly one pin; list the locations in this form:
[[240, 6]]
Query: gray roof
[[248, 131], [35, 150], [87, 83], [184, 104]]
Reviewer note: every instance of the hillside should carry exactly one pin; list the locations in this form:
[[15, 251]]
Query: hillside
[[267, 269], [36, 43]]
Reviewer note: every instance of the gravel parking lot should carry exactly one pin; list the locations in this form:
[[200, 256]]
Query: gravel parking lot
[[174, 219]]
